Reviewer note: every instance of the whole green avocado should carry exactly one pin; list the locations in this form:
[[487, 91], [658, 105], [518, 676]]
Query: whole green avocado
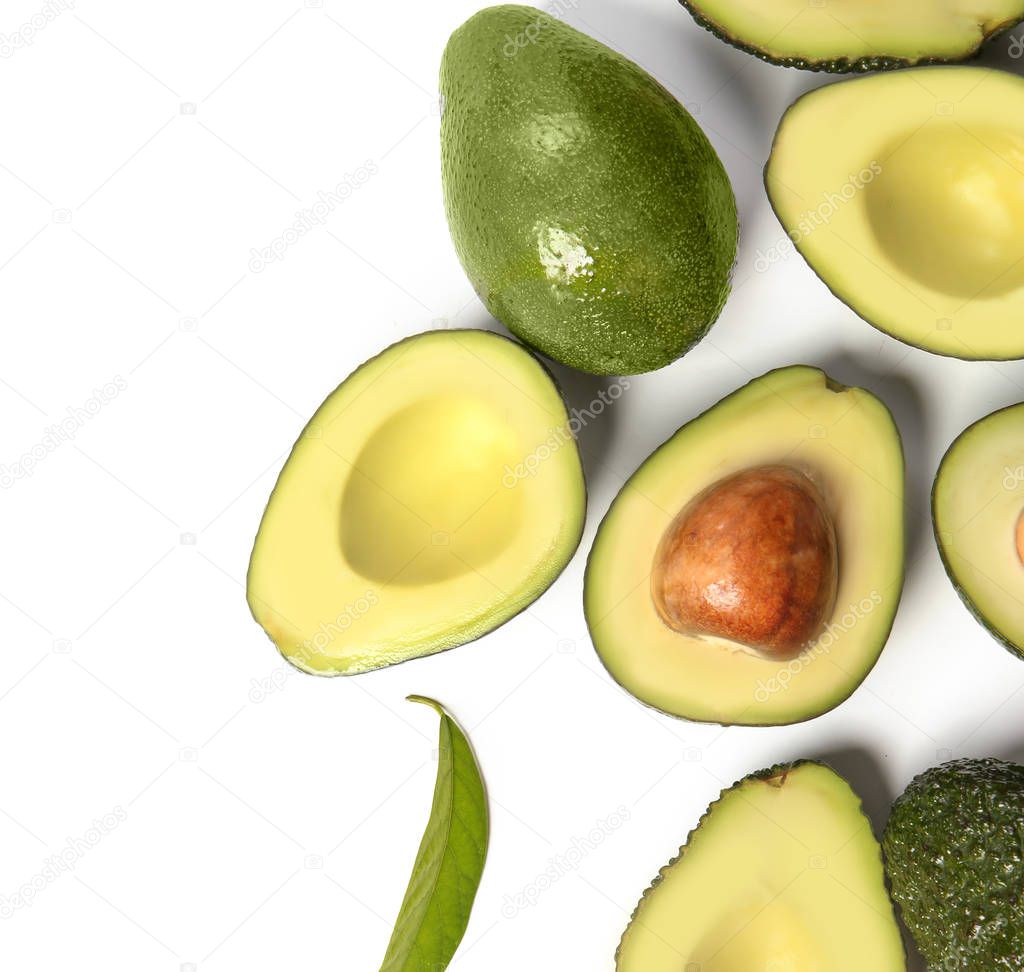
[[589, 210], [954, 851]]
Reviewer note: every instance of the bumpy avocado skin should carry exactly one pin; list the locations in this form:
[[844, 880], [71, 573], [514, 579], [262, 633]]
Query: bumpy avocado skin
[[589, 210], [954, 851], [843, 65]]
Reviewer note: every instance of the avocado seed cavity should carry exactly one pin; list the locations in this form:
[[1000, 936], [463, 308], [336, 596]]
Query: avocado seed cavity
[[752, 560]]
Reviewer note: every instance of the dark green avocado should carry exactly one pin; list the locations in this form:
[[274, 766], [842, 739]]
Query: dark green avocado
[[860, 37], [589, 210], [954, 851]]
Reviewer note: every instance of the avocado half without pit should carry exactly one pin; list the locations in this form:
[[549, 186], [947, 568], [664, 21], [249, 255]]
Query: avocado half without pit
[[749, 571], [436, 493], [978, 515], [910, 210], [856, 35], [782, 873]]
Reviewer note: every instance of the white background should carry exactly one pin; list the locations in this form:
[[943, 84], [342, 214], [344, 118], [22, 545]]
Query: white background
[[146, 150]]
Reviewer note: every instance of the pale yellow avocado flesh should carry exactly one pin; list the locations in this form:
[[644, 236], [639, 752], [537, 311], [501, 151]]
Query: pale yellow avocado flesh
[[846, 440], [977, 504], [436, 493], [782, 875], [910, 210], [851, 30]]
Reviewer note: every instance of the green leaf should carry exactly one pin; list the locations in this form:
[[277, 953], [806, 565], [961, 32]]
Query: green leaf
[[439, 898]]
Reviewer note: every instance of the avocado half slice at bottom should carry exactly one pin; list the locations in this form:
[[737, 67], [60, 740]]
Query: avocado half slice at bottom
[[857, 35], [904, 192], [845, 442], [436, 493], [978, 516], [782, 872]]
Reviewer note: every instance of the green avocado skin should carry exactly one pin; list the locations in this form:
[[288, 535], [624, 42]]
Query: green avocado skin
[[589, 210], [954, 852]]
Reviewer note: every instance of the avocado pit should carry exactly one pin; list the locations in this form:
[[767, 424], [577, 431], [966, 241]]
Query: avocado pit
[[753, 560]]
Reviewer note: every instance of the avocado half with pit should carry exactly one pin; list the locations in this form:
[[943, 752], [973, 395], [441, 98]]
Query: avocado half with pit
[[782, 872], [856, 35], [905, 194], [749, 571], [978, 515], [436, 493]]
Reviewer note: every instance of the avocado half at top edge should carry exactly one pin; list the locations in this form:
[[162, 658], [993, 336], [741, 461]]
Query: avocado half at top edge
[[845, 445], [863, 35], [435, 494], [589, 210], [910, 210], [978, 517], [783, 871]]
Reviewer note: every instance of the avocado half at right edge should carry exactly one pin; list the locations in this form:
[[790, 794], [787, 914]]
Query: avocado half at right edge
[[748, 573], [978, 516], [782, 872], [904, 193], [857, 35]]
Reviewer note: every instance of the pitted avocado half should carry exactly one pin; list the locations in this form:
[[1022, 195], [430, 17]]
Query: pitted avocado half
[[436, 493], [856, 35], [782, 872], [905, 194], [749, 571], [978, 514]]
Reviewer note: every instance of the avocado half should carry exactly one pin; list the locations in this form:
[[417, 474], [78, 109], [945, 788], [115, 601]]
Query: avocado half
[[910, 208], [782, 872], [436, 493], [846, 442], [590, 212], [857, 35], [953, 854], [977, 507]]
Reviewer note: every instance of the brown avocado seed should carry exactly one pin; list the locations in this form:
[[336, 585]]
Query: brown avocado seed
[[752, 559]]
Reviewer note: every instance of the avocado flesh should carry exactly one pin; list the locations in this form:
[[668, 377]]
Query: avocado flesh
[[782, 873], [856, 35], [845, 439], [953, 854], [411, 516], [977, 503], [910, 210], [590, 212]]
